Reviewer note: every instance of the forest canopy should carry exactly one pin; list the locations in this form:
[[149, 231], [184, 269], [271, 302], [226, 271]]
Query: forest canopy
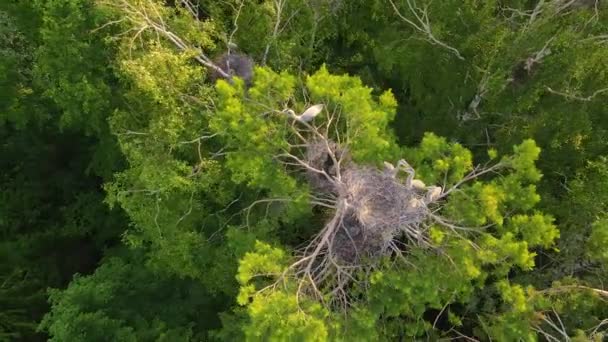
[[303, 170]]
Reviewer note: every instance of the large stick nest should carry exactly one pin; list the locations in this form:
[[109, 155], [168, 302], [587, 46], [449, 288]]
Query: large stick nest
[[373, 210], [377, 209]]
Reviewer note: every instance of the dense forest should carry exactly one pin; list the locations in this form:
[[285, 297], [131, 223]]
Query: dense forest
[[303, 170]]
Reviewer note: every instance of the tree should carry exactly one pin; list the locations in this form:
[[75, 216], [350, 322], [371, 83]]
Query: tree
[[115, 303], [50, 204], [416, 203]]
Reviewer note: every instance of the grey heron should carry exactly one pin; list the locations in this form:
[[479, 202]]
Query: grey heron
[[410, 181], [415, 203], [307, 115]]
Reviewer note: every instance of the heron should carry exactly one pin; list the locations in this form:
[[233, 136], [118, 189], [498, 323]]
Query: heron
[[308, 114], [418, 184], [415, 203], [410, 170], [433, 193], [389, 169]]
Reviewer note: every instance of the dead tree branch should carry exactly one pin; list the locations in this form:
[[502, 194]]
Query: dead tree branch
[[142, 21], [570, 96], [279, 5], [422, 24]]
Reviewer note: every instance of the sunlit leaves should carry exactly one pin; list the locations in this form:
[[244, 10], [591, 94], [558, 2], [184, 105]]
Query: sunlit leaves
[[279, 316], [367, 121], [440, 162], [598, 240]]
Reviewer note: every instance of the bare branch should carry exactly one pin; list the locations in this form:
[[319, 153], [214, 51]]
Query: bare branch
[[423, 25], [139, 17], [236, 26], [278, 8], [190, 7], [570, 96], [477, 172]]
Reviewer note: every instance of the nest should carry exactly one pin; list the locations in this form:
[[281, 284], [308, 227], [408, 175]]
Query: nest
[[373, 208], [372, 214], [323, 155], [234, 64], [377, 209]]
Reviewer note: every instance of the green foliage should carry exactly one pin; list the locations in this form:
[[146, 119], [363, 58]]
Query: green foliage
[[115, 304], [16, 55], [598, 240], [108, 103], [72, 64], [280, 317]]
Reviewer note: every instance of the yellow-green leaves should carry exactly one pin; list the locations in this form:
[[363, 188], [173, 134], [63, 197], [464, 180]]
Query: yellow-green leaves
[[280, 316], [366, 120], [523, 161], [436, 160], [264, 260], [598, 240], [279, 86], [276, 313], [536, 229], [514, 295]]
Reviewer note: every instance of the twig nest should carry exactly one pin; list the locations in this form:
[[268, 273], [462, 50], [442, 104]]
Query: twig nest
[[318, 156], [377, 209], [234, 64]]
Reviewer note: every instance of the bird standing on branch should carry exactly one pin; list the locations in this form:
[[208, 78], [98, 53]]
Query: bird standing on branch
[[402, 164], [308, 114]]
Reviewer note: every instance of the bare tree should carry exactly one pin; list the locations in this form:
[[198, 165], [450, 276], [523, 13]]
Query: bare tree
[[549, 9]]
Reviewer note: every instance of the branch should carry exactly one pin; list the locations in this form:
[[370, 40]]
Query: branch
[[139, 17], [477, 172], [423, 25], [278, 6], [578, 98], [193, 9], [235, 29], [602, 293]]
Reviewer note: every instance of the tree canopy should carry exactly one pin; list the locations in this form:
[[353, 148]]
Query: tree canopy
[[158, 183]]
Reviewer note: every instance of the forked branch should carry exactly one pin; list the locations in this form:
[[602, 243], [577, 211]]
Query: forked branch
[[422, 24]]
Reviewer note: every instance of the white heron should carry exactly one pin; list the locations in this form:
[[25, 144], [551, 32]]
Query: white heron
[[308, 114], [415, 203], [418, 184], [433, 193], [410, 171], [389, 169]]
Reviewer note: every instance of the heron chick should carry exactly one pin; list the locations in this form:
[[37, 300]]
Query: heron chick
[[418, 184], [390, 170], [308, 114], [433, 193]]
